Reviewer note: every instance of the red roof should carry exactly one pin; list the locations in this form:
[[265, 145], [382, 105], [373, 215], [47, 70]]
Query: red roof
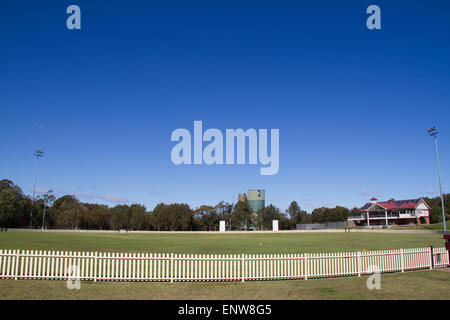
[[394, 204], [373, 199]]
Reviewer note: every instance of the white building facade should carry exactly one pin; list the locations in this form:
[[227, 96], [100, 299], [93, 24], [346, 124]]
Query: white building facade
[[392, 213]]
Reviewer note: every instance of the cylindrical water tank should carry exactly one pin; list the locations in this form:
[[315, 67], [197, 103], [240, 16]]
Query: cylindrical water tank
[[256, 199]]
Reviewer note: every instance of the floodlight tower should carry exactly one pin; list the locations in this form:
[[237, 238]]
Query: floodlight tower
[[37, 154], [433, 132]]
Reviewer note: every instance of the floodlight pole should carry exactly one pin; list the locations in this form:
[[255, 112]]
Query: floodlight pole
[[43, 217], [433, 132], [37, 154], [440, 183]]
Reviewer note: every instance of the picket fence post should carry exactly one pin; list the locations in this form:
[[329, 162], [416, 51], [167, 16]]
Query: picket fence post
[[359, 263], [171, 267], [306, 266], [402, 259], [95, 266], [16, 267], [243, 267], [430, 249]]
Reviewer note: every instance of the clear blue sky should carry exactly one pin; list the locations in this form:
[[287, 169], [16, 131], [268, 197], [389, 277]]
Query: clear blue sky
[[352, 105]]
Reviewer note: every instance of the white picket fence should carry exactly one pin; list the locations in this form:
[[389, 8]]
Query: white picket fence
[[107, 266]]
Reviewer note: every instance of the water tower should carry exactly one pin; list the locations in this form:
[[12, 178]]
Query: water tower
[[256, 199]]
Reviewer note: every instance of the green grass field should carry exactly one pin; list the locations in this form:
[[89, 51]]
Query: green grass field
[[433, 226], [218, 243], [409, 285]]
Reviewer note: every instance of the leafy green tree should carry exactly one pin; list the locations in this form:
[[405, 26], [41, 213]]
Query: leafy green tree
[[13, 205], [6, 184], [206, 218], [173, 217], [294, 211], [338, 214], [70, 218], [43, 204], [97, 216], [266, 215], [118, 220], [225, 212], [69, 213], [65, 203], [323, 214], [140, 219], [120, 217], [284, 223], [242, 217], [320, 215], [296, 214], [436, 208], [354, 212]]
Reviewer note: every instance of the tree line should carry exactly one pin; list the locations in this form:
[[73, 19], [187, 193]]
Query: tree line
[[68, 212]]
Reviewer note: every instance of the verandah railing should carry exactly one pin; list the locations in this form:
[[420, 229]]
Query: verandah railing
[[109, 266]]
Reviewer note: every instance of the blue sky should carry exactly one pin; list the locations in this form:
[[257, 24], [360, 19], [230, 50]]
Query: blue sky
[[352, 105]]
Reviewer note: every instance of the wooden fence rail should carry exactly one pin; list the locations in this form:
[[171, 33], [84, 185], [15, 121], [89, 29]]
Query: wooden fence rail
[[110, 266]]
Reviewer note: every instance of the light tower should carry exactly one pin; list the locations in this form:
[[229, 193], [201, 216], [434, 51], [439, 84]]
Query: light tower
[[433, 132], [37, 154]]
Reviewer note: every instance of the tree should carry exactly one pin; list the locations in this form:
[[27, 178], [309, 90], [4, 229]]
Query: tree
[[323, 214], [43, 204], [338, 214], [284, 223], [97, 216], [139, 217], [225, 212], [206, 218], [320, 215], [172, 217], [68, 212], [120, 217], [70, 218], [6, 184], [266, 215], [242, 216], [354, 212], [118, 220], [13, 204], [296, 214], [436, 208], [293, 210], [65, 203]]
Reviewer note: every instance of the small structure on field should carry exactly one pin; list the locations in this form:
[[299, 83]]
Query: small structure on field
[[322, 226], [274, 225]]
